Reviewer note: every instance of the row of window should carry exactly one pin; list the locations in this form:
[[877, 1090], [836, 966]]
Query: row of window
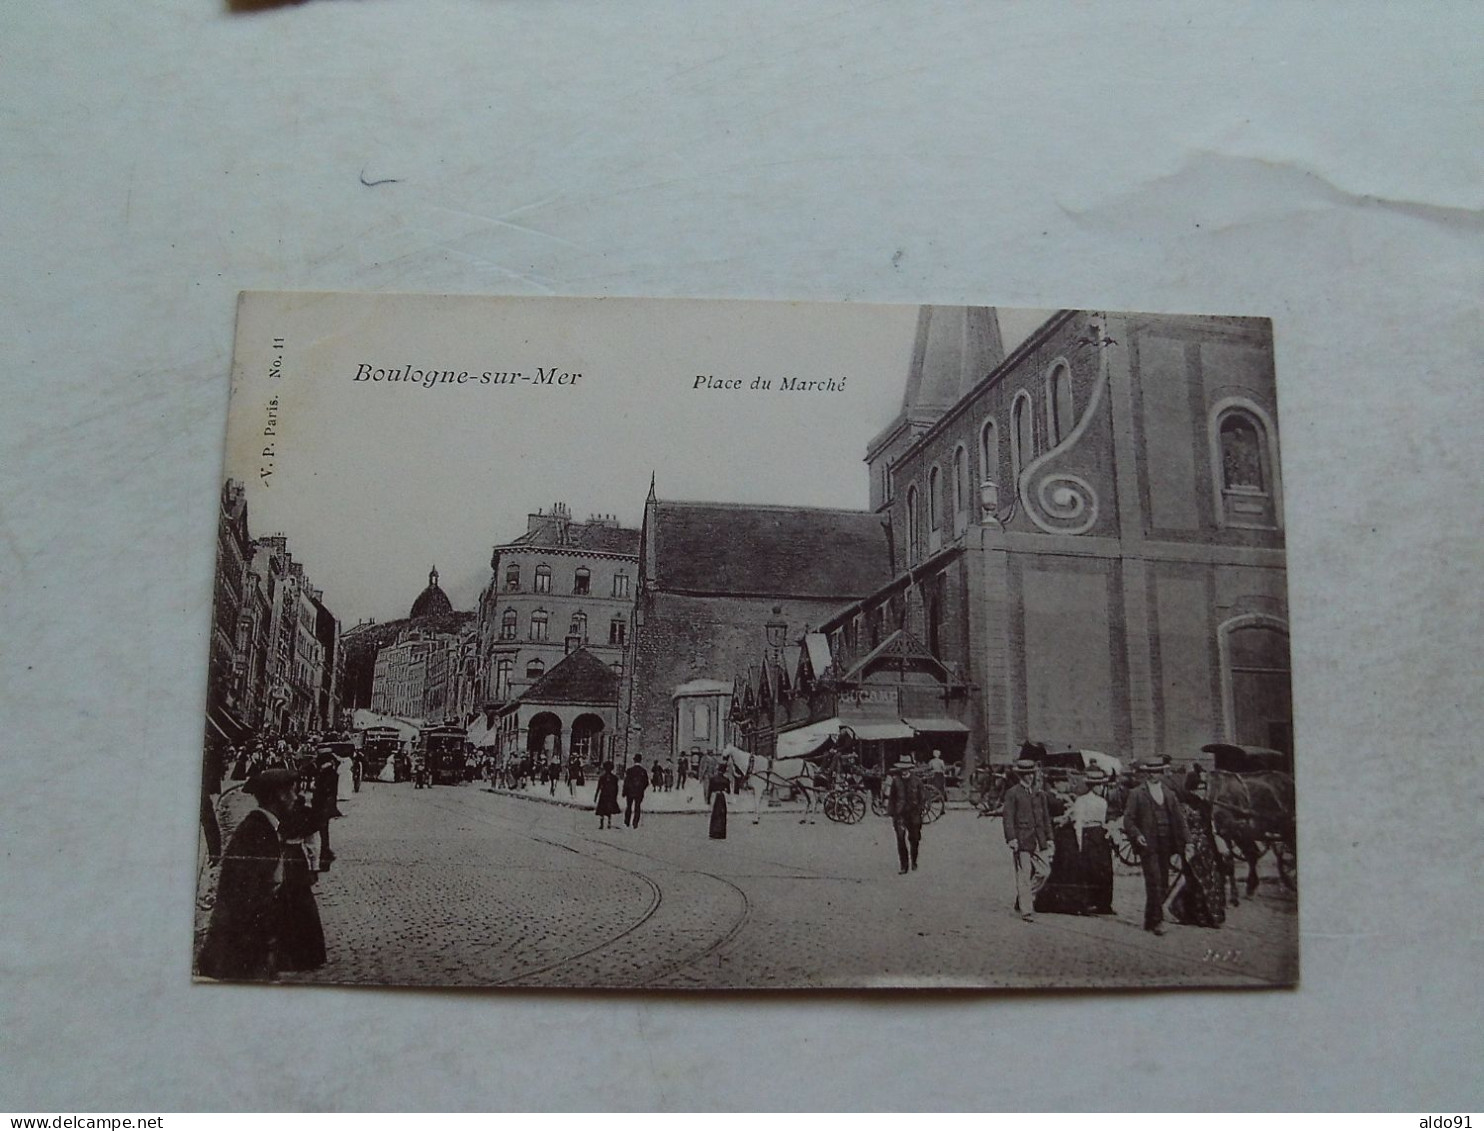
[[1241, 450], [541, 626], [582, 580]]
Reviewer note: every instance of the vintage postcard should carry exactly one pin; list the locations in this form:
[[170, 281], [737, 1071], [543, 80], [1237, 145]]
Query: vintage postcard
[[671, 644]]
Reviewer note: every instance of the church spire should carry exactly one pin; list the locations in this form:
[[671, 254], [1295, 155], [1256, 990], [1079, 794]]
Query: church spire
[[956, 347]]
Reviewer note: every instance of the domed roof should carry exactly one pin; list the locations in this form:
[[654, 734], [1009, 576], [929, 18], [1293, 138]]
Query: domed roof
[[431, 601]]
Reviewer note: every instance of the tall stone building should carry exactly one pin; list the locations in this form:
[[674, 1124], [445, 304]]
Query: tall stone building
[[560, 586], [1089, 533], [275, 658], [727, 586]]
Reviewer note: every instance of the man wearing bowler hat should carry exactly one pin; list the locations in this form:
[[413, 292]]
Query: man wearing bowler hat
[[244, 922], [1027, 822], [904, 803], [1152, 820]]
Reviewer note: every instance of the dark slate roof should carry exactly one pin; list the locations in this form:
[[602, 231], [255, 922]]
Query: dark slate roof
[[581, 536], [770, 551], [580, 678]]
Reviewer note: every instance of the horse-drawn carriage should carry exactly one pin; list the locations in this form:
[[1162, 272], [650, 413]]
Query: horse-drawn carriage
[[440, 750], [378, 745], [1059, 770], [1253, 810]]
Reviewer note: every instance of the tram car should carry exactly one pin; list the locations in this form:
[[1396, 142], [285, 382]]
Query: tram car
[[442, 752], [377, 745]]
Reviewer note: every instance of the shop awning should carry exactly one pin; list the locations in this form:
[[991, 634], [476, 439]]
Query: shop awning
[[806, 740], [480, 735], [225, 724], [882, 730], [937, 726]]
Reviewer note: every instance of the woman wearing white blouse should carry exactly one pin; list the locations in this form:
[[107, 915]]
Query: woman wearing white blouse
[[1089, 815]]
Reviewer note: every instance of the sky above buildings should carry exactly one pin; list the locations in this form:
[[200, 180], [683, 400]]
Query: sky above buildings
[[375, 480]]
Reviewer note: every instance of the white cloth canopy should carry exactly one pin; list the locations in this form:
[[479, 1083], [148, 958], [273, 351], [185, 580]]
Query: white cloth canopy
[[882, 730], [806, 740], [1103, 761], [480, 734], [937, 726]]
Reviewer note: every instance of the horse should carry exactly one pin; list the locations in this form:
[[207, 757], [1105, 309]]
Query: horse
[[757, 773], [1251, 813]]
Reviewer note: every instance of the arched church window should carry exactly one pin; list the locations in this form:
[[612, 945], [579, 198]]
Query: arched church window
[[1059, 402], [1022, 434], [989, 452], [913, 548], [960, 489]]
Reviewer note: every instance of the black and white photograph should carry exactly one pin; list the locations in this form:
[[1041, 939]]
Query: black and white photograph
[[704, 645], [767, 555]]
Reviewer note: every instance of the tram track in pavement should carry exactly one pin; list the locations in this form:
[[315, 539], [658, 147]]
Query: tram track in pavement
[[649, 976]]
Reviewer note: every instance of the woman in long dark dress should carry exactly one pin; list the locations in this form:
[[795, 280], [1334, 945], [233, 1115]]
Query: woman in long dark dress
[[1090, 820], [606, 796], [718, 786], [301, 936], [1081, 879], [1201, 900], [1064, 892]]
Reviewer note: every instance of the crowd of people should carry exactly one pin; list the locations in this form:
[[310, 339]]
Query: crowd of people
[[265, 919], [1062, 842]]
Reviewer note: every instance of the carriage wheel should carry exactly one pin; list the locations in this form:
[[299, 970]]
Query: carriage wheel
[[933, 805], [878, 805], [832, 806], [1124, 849], [852, 807]]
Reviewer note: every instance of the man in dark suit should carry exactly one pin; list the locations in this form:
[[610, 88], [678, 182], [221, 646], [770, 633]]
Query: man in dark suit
[[244, 922], [325, 803], [904, 804], [1152, 820], [1027, 822], [635, 783]]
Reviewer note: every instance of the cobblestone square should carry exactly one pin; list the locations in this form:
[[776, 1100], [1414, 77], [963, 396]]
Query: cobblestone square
[[462, 886]]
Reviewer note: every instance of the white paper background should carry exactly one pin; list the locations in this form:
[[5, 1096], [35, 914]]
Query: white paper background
[[1319, 164]]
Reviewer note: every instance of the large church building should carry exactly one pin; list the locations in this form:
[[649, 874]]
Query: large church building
[[1088, 532]]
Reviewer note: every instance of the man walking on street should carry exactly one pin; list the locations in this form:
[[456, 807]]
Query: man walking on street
[[325, 799], [635, 782], [1152, 820], [904, 803], [1027, 824]]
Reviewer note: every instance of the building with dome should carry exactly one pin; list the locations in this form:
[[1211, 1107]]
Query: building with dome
[[432, 601], [420, 666]]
